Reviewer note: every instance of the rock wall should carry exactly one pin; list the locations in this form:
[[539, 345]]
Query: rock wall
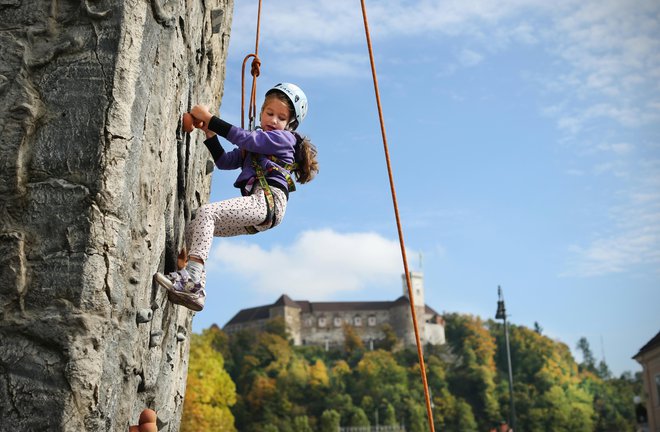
[[97, 180]]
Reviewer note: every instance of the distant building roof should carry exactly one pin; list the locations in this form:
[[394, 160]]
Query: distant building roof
[[251, 314], [285, 300], [262, 312], [653, 343]]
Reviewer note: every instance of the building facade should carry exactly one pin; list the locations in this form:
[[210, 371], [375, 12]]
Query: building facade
[[649, 357], [322, 323]]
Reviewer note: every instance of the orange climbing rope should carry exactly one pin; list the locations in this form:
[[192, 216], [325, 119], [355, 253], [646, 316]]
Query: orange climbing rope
[[255, 71], [420, 354]]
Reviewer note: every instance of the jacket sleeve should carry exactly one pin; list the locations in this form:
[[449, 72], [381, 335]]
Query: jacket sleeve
[[219, 126], [222, 159], [271, 143]]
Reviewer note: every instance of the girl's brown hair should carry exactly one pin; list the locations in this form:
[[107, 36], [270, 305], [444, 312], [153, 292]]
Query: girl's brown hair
[[308, 165], [305, 151]]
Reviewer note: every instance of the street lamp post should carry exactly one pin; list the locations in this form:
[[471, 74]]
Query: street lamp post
[[501, 314]]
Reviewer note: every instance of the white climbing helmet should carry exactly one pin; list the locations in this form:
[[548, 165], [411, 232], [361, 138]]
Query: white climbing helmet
[[297, 98]]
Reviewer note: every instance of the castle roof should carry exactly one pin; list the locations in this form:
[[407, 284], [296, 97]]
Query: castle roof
[[251, 314], [285, 300], [263, 312]]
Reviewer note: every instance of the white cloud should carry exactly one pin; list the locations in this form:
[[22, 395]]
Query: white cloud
[[316, 266], [336, 65], [612, 48], [310, 26], [469, 58], [616, 254], [616, 148], [633, 238]]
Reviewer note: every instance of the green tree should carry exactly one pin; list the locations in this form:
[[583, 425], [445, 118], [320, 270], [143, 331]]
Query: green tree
[[390, 341], [416, 416], [358, 418], [389, 417], [379, 377], [301, 424], [473, 378], [330, 421], [537, 328], [465, 420], [352, 342], [612, 402], [588, 360], [548, 389]]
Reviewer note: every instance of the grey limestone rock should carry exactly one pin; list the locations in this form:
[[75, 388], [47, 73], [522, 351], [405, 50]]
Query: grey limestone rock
[[97, 181]]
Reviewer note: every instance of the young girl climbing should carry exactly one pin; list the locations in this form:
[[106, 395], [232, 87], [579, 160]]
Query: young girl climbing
[[267, 157]]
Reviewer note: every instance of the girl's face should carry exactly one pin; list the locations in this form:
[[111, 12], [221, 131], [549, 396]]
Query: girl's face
[[274, 115]]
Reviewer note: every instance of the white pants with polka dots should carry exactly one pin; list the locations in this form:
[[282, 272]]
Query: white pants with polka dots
[[229, 218]]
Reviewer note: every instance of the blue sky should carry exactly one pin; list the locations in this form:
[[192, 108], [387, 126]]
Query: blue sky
[[525, 143]]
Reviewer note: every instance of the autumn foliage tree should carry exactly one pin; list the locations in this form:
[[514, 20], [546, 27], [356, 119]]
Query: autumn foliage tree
[[210, 391], [283, 388]]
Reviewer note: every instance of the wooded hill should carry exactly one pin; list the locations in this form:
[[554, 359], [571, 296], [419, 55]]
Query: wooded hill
[[258, 381]]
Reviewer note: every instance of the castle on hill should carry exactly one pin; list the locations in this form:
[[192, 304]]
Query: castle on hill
[[321, 323]]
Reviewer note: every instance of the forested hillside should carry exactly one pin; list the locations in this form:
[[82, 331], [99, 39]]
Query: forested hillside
[[259, 382]]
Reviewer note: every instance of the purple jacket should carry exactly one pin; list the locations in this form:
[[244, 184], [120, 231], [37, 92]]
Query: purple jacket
[[278, 143]]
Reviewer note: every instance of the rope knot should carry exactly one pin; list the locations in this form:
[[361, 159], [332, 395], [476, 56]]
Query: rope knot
[[256, 63]]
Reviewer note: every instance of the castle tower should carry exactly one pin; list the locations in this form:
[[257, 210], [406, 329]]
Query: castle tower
[[417, 282], [406, 328]]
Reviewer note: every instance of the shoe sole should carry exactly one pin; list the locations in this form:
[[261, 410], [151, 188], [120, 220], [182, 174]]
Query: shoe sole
[[175, 296], [163, 281]]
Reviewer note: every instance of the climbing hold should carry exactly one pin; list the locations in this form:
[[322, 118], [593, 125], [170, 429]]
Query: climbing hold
[[148, 416], [147, 423], [155, 338], [180, 336], [190, 122], [144, 316]]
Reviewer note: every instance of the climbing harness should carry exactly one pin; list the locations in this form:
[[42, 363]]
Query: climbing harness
[[280, 166], [420, 355]]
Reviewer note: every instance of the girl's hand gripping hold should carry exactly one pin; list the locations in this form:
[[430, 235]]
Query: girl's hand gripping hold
[[190, 122]]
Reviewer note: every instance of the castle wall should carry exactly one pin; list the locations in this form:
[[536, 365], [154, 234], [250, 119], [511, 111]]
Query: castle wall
[[321, 328], [434, 334], [291, 316]]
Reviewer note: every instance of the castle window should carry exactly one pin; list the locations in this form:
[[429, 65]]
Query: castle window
[[337, 321], [322, 322], [357, 321], [371, 321], [308, 322]]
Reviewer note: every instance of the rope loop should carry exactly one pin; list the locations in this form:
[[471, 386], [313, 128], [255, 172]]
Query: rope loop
[[252, 109]]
